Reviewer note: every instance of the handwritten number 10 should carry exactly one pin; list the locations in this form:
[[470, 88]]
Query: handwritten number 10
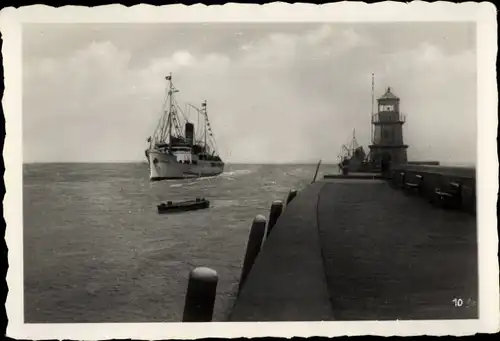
[[458, 302]]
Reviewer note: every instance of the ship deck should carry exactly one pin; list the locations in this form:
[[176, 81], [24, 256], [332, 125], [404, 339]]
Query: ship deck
[[357, 249]]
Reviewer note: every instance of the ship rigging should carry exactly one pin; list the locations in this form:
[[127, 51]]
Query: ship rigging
[[168, 132]]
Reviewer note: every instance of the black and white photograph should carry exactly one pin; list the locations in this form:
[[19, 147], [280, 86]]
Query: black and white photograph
[[173, 172]]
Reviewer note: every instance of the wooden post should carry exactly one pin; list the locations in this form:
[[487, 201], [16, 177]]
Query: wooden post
[[316, 173], [402, 179], [274, 214], [292, 194], [257, 232], [200, 295]]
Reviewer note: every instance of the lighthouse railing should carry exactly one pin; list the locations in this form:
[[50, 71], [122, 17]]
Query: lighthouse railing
[[401, 118]]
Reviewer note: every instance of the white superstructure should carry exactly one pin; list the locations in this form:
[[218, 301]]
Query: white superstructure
[[177, 154]]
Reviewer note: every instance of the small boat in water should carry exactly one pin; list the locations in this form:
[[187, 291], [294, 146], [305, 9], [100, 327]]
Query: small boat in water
[[183, 206]]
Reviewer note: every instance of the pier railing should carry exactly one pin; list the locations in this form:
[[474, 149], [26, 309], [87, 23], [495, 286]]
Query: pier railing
[[399, 118], [438, 184]]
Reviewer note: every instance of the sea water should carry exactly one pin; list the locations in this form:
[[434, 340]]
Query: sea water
[[96, 250]]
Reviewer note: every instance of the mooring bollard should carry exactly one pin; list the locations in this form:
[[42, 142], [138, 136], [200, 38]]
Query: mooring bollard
[[292, 194], [200, 295], [257, 232], [274, 214]]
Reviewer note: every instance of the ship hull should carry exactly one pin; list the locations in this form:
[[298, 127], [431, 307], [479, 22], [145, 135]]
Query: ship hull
[[163, 166]]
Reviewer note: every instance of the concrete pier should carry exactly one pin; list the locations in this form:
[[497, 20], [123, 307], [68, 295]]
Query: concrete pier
[[287, 281], [360, 249]]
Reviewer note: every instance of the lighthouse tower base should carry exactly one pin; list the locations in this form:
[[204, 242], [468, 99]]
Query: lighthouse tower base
[[394, 154]]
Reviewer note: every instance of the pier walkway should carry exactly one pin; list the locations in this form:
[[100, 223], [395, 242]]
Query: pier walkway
[[358, 249]]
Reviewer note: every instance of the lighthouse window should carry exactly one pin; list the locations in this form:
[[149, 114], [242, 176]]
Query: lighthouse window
[[387, 107]]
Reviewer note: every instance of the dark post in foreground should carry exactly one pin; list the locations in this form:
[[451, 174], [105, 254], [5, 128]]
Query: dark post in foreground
[[200, 295], [292, 194], [257, 232], [274, 214]]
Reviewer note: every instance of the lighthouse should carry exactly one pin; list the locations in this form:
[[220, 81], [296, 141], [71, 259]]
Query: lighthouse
[[387, 141]]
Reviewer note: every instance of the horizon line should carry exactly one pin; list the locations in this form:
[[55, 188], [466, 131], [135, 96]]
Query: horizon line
[[451, 163], [141, 162]]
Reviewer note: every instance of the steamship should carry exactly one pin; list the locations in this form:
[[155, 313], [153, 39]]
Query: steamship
[[174, 150]]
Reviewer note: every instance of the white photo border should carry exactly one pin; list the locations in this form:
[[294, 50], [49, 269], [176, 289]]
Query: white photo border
[[483, 14]]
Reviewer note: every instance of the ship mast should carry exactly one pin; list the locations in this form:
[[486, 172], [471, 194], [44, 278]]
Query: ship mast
[[172, 113], [169, 120], [204, 108], [208, 134], [354, 143], [373, 101]]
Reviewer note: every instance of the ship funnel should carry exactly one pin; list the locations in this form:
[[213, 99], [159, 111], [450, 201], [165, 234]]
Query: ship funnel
[[189, 133]]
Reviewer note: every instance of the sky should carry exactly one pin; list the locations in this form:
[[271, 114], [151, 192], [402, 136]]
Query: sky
[[276, 92]]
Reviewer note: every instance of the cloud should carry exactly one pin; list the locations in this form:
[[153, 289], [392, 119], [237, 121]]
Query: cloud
[[275, 97]]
